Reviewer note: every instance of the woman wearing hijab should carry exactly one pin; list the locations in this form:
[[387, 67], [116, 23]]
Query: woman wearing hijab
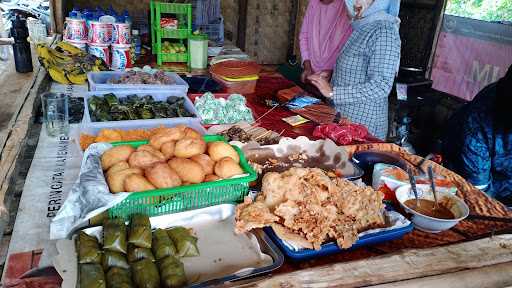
[[478, 140], [325, 29], [366, 68]]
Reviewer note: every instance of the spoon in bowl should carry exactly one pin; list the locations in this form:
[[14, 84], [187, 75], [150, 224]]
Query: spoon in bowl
[[433, 186], [412, 180]]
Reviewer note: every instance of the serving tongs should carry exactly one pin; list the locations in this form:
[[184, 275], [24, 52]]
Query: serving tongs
[[414, 189], [433, 186]]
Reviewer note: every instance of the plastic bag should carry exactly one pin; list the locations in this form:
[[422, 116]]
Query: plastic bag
[[172, 272], [138, 253], [114, 259], [185, 242], [88, 249], [162, 245], [145, 274], [114, 235], [140, 231], [119, 278], [92, 276]]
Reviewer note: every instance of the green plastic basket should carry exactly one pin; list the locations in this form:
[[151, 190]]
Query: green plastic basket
[[174, 57], [175, 33], [177, 199]]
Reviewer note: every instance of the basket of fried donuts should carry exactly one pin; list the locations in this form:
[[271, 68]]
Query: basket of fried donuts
[[175, 170]]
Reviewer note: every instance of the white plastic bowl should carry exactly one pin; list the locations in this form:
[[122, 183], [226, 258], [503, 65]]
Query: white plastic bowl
[[430, 224]]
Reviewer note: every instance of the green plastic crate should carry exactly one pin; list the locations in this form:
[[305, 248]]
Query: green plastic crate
[[184, 14], [174, 57], [175, 34], [177, 199]]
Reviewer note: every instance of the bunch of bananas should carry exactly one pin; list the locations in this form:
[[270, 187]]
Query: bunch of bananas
[[68, 64]]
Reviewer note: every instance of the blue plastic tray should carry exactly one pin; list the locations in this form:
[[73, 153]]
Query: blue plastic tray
[[331, 247]]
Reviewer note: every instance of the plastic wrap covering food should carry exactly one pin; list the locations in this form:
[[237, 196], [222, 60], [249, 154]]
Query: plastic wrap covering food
[[221, 111], [342, 134], [142, 77], [387, 178]]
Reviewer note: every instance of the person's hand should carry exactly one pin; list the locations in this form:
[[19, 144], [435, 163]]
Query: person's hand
[[327, 74], [322, 84], [308, 71]]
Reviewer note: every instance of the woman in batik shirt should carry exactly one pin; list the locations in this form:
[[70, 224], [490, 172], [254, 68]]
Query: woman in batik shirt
[[366, 67], [478, 140]]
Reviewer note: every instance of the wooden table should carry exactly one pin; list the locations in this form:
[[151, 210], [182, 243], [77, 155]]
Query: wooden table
[[467, 256]]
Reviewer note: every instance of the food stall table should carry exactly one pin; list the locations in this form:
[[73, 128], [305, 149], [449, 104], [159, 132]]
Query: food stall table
[[473, 244]]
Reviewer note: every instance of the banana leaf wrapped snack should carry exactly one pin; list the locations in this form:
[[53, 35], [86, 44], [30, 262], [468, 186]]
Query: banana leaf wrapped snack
[[145, 274], [88, 249], [114, 259], [162, 245], [172, 272], [92, 276], [138, 253], [140, 231], [119, 278], [114, 235], [185, 242]]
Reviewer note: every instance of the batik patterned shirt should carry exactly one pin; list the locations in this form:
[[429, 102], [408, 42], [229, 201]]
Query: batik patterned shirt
[[478, 149], [364, 74]]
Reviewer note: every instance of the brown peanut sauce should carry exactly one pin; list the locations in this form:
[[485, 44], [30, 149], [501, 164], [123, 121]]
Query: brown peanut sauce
[[426, 207]]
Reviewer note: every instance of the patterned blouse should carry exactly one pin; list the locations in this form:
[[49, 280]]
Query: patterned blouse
[[364, 74], [478, 151]]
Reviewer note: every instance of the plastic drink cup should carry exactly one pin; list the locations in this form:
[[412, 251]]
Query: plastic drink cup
[[55, 113]]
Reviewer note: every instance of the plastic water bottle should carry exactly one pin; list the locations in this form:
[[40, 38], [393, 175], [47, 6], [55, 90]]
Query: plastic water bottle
[[127, 18], [136, 42], [75, 13]]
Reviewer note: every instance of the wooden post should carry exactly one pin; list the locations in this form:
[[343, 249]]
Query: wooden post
[[242, 24], [57, 15]]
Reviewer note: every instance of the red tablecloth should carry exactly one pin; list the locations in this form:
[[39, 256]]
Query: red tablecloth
[[267, 88]]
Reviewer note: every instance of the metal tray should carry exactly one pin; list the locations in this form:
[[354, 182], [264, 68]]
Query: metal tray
[[219, 213]]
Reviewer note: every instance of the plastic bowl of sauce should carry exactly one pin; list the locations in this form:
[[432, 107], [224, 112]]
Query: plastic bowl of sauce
[[451, 209]]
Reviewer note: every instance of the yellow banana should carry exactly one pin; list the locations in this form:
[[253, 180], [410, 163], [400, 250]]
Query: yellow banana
[[77, 78], [58, 75], [69, 48]]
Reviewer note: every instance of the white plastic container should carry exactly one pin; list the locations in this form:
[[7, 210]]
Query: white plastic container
[[101, 51], [198, 47], [98, 82], [135, 124]]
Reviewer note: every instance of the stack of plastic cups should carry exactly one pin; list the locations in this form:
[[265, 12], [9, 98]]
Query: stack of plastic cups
[[121, 44], [100, 38], [75, 30]]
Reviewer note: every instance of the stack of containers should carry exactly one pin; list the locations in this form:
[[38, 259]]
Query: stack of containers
[[103, 34], [208, 19], [236, 76]]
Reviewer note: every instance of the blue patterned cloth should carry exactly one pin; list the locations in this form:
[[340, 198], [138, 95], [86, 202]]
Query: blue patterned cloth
[[478, 150], [365, 71]]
